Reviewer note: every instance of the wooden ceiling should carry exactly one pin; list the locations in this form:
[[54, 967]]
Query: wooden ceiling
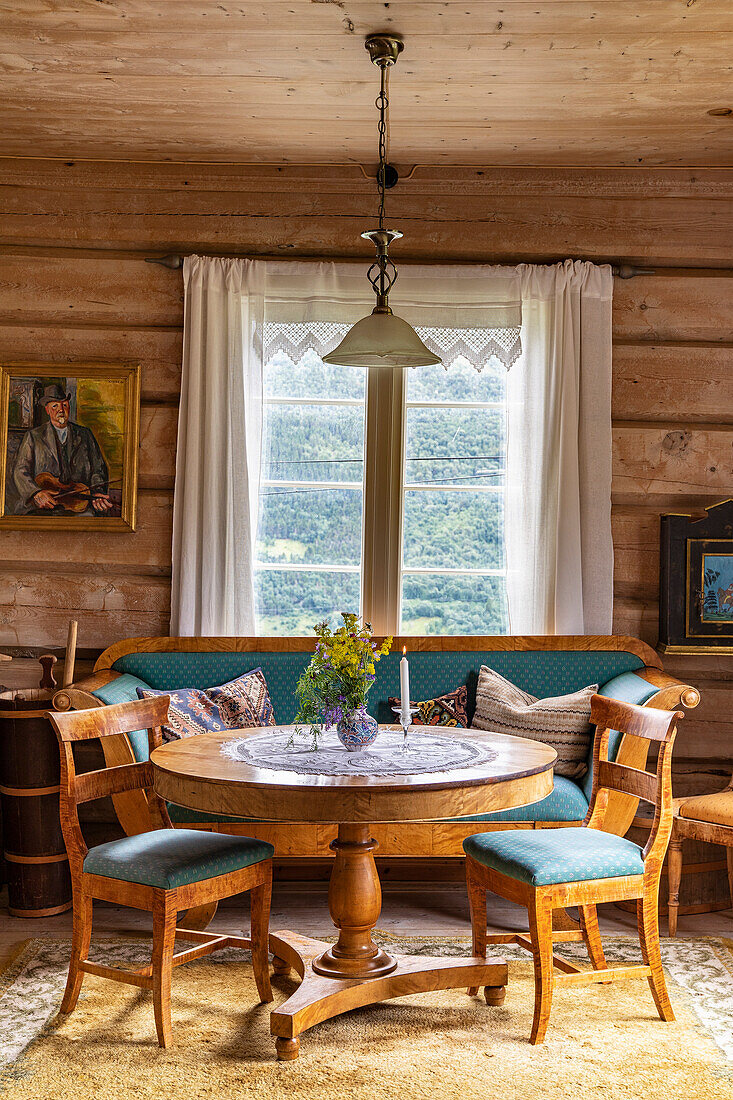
[[554, 82]]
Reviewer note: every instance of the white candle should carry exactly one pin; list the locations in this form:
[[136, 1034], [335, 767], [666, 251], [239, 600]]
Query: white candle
[[404, 687]]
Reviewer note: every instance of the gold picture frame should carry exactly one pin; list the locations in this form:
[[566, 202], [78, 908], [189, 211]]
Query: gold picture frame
[[87, 468]]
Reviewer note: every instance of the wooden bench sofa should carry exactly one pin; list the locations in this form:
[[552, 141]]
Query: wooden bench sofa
[[623, 667]]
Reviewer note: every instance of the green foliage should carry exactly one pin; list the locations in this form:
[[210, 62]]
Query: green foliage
[[335, 684]]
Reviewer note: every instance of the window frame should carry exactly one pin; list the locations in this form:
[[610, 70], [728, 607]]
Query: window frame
[[385, 407], [384, 494], [273, 483]]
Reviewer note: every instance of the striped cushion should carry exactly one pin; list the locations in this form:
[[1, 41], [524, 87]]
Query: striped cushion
[[562, 722]]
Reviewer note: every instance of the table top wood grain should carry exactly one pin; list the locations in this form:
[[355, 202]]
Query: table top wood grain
[[194, 773]]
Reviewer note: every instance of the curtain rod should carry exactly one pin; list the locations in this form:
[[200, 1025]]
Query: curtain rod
[[174, 261]]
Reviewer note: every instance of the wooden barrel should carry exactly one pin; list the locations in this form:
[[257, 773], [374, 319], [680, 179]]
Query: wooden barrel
[[36, 865]]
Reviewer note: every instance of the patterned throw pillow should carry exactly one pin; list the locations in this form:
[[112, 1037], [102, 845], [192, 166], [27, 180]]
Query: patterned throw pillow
[[190, 712], [444, 710], [244, 702], [562, 722]]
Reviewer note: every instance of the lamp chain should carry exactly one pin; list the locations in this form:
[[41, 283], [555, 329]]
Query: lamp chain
[[382, 103]]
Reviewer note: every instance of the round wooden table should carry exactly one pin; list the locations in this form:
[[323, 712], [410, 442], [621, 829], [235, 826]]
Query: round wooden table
[[354, 971]]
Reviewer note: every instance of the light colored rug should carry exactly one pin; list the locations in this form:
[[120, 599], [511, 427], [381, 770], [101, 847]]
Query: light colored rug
[[604, 1042]]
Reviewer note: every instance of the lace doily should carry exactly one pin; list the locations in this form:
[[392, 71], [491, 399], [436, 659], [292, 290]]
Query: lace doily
[[477, 345], [435, 753]]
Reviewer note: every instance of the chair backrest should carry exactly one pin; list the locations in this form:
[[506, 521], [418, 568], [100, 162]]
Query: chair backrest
[[83, 725], [648, 724]]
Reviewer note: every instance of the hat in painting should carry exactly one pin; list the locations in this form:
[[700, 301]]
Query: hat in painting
[[54, 393]]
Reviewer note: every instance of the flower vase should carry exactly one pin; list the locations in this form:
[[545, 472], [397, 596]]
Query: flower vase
[[357, 730]]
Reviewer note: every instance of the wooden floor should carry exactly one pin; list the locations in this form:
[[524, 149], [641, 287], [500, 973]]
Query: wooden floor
[[409, 909]]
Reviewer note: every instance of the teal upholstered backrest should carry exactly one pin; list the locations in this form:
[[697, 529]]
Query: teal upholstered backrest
[[629, 688], [541, 672]]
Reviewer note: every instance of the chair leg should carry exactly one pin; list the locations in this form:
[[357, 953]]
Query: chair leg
[[647, 916], [164, 940], [729, 857], [592, 936], [540, 931], [260, 899], [81, 938], [674, 875], [477, 908]]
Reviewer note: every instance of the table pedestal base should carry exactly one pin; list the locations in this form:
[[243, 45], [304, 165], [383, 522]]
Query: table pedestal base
[[320, 998]]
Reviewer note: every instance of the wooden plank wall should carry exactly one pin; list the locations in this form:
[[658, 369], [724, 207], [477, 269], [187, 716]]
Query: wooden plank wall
[[73, 287]]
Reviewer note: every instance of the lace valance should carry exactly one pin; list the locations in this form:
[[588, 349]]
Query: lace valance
[[479, 346]]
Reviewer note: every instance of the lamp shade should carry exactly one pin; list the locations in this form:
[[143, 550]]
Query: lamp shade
[[381, 340]]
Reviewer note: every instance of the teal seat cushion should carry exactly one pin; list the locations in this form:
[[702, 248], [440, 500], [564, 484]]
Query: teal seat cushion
[[168, 858], [545, 856], [565, 803]]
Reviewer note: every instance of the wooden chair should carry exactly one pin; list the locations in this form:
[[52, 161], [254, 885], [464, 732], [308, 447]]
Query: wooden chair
[[706, 817], [164, 871], [549, 869]]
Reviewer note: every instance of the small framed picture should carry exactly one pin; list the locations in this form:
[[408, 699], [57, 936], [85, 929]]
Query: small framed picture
[[696, 582], [69, 445]]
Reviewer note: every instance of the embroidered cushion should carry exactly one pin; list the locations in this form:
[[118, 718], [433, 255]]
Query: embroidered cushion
[[562, 722], [244, 702], [168, 858], [444, 710], [190, 712], [541, 857]]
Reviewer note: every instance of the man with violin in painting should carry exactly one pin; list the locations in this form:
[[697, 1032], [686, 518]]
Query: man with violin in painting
[[58, 460]]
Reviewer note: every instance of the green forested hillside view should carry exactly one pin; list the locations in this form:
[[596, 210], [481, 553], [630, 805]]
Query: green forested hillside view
[[311, 498]]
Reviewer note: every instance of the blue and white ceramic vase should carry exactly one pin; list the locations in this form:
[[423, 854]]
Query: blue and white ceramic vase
[[357, 730]]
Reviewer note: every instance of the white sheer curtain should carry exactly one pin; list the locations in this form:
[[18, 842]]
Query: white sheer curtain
[[216, 496], [558, 536], [227, 305], [558, 504]]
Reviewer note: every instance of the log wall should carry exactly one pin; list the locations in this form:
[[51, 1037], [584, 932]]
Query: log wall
[[73, 287]]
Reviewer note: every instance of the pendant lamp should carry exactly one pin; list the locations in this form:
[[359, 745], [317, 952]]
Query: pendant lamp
[[382, 339]]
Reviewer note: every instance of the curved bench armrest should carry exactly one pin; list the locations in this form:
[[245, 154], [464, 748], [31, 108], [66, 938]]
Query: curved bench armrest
[[672, 693], [78, 696]]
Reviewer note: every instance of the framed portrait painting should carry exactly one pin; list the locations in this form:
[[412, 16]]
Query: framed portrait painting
[[69, 445], [696, 582]]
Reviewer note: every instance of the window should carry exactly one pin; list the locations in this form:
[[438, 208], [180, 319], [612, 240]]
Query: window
[[309, 538], [453, 571], [421, 456]]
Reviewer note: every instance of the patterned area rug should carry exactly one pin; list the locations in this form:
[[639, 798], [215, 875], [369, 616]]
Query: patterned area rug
[[603, 1042]]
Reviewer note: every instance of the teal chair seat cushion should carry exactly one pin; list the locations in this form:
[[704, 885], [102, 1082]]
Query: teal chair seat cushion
[[168, 858], [566, 802], [545, 856]]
